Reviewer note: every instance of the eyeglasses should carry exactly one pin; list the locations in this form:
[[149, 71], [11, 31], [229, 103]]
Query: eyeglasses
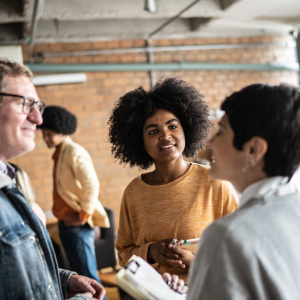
[[28, 103]]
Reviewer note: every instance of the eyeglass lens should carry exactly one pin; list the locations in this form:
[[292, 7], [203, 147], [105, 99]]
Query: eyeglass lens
[[29, 105]]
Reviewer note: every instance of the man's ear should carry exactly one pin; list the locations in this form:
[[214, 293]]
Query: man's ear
[[256, 148]]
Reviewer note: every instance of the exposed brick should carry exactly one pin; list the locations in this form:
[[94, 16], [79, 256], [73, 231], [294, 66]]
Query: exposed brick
[[127, 58], [86, 59], [71, 47], [84, 46], [113, 59], [72, 60], [42, 48], [98, 45], [93, 100], [165, 43], [113, 44], [100, 59], [57, 47], [56, 60], [139, 43], [126, 43]]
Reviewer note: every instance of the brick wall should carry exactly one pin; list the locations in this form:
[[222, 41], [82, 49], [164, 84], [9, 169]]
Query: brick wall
[[93, 100]]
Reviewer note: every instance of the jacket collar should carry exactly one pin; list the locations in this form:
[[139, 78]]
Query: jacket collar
[[61, 148], [271, 186], [66, 142], [59, 164], [5, 181]]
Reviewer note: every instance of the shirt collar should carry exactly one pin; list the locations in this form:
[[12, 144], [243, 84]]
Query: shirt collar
[[5, 180], [57, 152], [277, 185], [7, 169]]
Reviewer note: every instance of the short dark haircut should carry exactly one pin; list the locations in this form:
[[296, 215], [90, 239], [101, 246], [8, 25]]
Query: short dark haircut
[[273, 113], [59, 120], [134, 108]]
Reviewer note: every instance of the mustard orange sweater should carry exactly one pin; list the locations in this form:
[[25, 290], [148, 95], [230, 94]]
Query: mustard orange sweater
[[181, 209]]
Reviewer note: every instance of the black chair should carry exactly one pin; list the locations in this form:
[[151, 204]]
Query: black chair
[[104, 247]]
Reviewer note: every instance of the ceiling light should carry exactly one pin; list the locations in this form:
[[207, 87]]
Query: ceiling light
[[59, 79]]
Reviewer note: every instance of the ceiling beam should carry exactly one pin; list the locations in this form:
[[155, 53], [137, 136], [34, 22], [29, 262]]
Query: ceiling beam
[[196, 23], [224, 4]]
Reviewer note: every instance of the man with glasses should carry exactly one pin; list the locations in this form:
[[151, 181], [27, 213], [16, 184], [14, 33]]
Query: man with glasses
[[28, 267]]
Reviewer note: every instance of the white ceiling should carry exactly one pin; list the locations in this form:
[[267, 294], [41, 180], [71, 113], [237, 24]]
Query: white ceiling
[[92, 20]]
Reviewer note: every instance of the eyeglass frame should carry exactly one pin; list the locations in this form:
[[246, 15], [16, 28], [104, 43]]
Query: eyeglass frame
[[31, 107]]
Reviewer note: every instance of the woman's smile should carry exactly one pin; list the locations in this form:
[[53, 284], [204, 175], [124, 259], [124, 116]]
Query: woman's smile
[[163, 136], [168, 147]]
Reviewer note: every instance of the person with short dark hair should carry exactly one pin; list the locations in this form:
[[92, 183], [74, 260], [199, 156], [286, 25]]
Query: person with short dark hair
[[254, 252], [75, 191], [158, 128], [28, 266]]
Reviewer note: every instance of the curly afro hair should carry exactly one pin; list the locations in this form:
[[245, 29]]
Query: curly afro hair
[[131, 111], [59, 120]]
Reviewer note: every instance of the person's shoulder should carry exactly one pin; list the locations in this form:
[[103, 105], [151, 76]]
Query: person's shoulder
[[202, 172], [132, 192], [75, 150], [200, 168], [230, 227], [133, 185]]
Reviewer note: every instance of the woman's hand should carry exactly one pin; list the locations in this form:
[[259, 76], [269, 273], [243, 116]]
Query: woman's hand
[[184, 255], [175, 283], [161, 253]]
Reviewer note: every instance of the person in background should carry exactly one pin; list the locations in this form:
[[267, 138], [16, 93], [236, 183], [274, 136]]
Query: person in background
[[159, 128], [28, 267], [75, 191], [254, 252], [23, 183]]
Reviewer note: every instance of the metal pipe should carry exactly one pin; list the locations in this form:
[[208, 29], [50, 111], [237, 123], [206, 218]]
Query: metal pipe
[[171, 19], [161, 67], [151, 61], [298, 52], [170, 48], [34, 21], [150, 6]]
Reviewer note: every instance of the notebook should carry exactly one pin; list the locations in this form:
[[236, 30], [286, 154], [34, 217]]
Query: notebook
[[142, 282]]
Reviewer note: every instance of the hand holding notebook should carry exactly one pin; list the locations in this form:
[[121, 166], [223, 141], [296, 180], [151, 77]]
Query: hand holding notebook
[[140, 280]]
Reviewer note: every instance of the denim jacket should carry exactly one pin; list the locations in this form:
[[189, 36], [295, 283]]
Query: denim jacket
[[28, 266]]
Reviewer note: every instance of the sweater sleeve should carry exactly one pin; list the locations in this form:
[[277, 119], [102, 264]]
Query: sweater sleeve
[[125, 244], [230, 199]]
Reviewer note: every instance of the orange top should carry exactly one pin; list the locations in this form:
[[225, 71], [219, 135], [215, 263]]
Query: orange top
[[180, 209], [60, 207]]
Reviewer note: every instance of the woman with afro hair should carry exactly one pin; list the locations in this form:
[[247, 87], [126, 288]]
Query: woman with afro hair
[[75, 191], [176, 200]]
